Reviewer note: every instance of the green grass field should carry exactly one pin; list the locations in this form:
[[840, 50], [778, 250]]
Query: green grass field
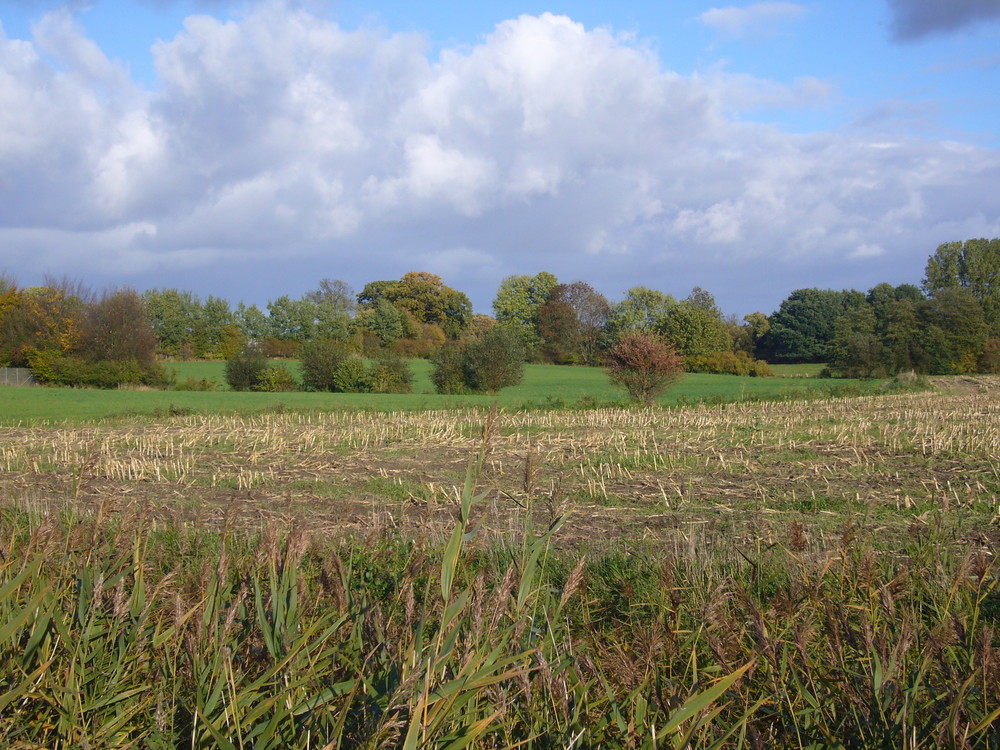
[[544, 385], [808, 370]]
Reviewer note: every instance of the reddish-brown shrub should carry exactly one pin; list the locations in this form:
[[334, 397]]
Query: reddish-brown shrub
[[644, 365]]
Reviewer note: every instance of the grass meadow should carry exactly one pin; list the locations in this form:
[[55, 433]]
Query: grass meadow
[[543, 386], [770, 574]]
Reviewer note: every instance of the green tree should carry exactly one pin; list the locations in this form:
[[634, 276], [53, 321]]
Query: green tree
[[486, 363], [292, 319], [320, 360], [856, 351], [973, 265], [252, 322], [245, 370], [175, 316], [804, 324], [695, 326], [211, 325], [424, 296], [642, 309], [516, 306]]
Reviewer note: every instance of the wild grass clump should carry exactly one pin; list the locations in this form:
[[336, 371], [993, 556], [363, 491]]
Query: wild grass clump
[[116, 634]]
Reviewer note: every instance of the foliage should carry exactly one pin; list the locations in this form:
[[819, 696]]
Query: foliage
[[694, 326], [644, 365], [426, 297], [426, 339], [245, 370], [805, 323], [642, 309], [495, 360], [277, 378], [116, 328], [448, 374], [571, 322], [274, 348], [487, 364], [728, 363], [973, 265], [352, 376], [516, 306], [390, 374], [320, 360]]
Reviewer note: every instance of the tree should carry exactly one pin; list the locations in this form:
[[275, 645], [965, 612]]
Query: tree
[[174, 316], [856, 351], [425, 297], [320, 360], [495, 360], [571, 322], [954, 331], [644, 365], [694, 326], [245, 370], [804, 325], [517, 302], [212, 322], [252, 322], [116, 329], [973, 265], [334, 296], [487, 363], [642, 309], [292, 319]]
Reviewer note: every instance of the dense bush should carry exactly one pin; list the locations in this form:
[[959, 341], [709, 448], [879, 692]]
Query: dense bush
[[319, 360], [390, 374], [728, 363], [352, 376], [644, 365], [448, 374], [277, 379], [328, 365], [485, 363], [245, 370], [53, 368]]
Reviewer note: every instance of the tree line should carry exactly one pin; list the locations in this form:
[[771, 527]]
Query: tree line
[[950, 324]]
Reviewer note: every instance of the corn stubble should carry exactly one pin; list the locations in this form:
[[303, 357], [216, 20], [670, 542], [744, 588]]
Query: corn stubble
[[121, 629]]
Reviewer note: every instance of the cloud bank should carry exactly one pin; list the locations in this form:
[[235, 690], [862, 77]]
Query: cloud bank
[[913, 19], [281, 148]]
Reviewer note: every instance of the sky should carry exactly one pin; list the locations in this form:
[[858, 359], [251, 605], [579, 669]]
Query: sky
[[250, 149]]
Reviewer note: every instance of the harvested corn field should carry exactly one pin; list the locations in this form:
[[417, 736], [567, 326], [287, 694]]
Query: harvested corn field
[[818, 574]]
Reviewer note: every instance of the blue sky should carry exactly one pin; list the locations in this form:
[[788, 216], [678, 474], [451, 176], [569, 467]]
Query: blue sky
[[250, 149]]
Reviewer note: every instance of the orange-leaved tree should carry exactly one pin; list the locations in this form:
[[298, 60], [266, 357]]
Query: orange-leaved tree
[[644, 365]]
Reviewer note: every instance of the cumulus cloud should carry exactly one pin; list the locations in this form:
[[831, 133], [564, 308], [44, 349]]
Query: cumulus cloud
[[913, 19], [751, 20], [281, 148]]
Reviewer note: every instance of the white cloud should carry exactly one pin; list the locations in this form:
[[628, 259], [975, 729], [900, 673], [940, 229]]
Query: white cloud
[[750, 20], [547, 146]]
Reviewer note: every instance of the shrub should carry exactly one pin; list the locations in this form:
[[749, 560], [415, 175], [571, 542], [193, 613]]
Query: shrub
[[728, 363], [487, 363], [53, 368], [194, 384], [989, 360], [352, 376], [495, 360], [279, 348], [319, 360], [448, 374], [644, 365], [245, 370], [277, 379], [390, 374]]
